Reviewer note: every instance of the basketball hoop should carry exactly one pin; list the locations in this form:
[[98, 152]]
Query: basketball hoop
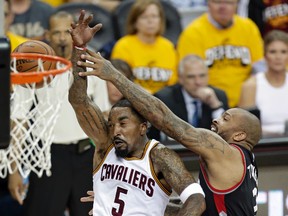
[[34, 112]]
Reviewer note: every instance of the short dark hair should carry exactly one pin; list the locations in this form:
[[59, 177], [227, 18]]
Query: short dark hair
[[126, 103]]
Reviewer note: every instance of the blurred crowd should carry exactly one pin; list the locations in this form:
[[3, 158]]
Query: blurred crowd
[[233, 55]]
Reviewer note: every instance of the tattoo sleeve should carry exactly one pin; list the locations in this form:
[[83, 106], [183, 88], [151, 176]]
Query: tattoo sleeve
[[200, 141], [178, 177], [88, 114], [78, 90], [151, 108]]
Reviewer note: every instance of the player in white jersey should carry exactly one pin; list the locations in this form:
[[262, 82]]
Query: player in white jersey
[[132, 175], [117, 177]]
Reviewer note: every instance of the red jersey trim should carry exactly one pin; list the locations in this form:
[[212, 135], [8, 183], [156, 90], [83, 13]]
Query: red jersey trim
[[233, 188], [219, 200]]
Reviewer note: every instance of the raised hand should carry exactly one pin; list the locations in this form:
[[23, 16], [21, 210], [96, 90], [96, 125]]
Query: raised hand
[[100, 66], [80, 32]]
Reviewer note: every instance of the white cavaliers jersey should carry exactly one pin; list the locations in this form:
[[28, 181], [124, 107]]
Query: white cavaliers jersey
[[128, 186]]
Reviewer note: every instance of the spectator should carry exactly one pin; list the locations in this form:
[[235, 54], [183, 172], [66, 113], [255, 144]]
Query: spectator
[[151, 56], [15, 40], [193, 89], [267, 91], [31, 18], [268, 14], [230, 44], [71, 151], [54, 3]]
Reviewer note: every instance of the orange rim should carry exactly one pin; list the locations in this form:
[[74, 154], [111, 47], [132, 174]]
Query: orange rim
[[37, 76]]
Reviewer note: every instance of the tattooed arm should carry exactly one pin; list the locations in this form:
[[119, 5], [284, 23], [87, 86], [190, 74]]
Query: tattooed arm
[[88, 114], [203, 142], [168, 164]]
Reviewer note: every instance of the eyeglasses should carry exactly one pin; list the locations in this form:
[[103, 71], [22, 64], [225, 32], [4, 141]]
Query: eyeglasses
[[227, 2]]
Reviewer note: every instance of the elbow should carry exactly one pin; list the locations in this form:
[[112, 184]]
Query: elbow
[[71, 99]]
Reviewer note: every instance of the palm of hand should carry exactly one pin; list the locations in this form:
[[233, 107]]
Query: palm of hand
[[81, 32], [81, 35]]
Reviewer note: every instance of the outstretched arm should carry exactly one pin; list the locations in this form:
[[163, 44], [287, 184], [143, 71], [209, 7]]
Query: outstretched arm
[[203, 142], [88, 114]]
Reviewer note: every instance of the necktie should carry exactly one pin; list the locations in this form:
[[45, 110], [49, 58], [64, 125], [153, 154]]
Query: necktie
[[195, 117]]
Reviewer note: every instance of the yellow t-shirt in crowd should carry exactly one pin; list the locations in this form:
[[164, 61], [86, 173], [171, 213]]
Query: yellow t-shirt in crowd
[[229, 53], [15, 40], [154, 65], [55, 3]]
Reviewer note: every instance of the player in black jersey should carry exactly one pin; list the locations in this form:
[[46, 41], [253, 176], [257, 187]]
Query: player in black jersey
[[228, 170]]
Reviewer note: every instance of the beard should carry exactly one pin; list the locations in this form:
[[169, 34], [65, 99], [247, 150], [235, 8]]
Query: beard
[[121, 152]]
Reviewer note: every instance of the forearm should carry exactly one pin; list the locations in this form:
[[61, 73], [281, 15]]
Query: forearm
[[150, 107], [78, 90], [88, 114], [194, 206], [172, 209]]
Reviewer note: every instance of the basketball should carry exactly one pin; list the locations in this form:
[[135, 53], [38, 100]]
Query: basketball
[[31, 65]]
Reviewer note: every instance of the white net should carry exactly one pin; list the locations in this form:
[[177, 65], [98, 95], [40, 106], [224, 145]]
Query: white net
[[33, 117]]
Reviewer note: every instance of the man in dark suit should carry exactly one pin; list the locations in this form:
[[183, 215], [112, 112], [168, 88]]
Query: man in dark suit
[[192, 99]]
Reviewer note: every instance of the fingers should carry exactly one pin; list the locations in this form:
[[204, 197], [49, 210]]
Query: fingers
[[96, 28], [73, 26], [91, 53], [19, 197], [90, 198], [87, 64], [91, 193], [87, 199], [92, 57], [16, 194], [91, 212], [81, 17], [88, 19]]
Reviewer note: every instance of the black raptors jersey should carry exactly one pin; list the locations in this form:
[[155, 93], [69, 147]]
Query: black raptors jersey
[[239, 200]]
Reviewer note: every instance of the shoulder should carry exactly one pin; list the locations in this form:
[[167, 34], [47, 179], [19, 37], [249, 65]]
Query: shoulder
[[250, 83], [198, 22], [245, 21], [162, 152], [196, 25], [165, 41], [217, 90], [126, 40], [39, 5], [166, 91]]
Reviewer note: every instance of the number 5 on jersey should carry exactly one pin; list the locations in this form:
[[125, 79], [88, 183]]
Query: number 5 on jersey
[[119, 193]]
